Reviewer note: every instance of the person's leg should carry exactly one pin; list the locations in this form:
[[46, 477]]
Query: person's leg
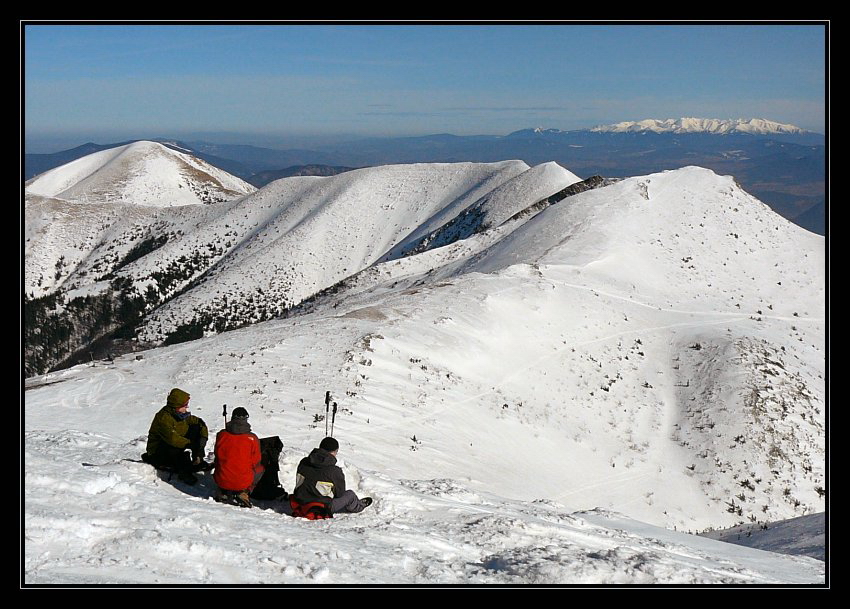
[[347, 502], [197, 442], [170, 457], [173, 459]]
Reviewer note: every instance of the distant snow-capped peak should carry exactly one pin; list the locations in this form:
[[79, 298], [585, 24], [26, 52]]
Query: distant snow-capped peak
[[534, 132], [756, 126], [142, 173]]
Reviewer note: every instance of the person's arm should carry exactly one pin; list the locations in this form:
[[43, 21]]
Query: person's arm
[[256, 455], [339, 482]]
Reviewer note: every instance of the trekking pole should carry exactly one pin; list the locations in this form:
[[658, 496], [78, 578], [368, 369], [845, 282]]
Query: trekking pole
[[224, 414], [327, 405], [333, 420]]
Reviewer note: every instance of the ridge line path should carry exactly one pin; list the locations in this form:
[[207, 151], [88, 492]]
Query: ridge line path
[[682, 311]]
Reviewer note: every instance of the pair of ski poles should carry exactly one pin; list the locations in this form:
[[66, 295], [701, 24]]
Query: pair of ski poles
[[327, 409]]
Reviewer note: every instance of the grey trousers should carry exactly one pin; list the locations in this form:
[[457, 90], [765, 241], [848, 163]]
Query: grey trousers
[[347, 502]]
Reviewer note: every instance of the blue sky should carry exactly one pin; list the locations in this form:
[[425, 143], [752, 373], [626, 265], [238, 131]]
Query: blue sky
[[285, 84]]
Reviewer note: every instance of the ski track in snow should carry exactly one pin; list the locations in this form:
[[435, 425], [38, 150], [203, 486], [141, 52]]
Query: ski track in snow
[[654, 307]]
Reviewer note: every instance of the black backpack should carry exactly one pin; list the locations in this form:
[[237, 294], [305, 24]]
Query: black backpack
[[269, 486]]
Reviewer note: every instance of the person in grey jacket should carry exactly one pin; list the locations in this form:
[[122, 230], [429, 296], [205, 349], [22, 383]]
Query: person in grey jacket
[[319, 478]]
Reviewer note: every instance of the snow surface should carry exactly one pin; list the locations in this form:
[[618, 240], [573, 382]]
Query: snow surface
[[561, 398], [91, 517], [701, 125]]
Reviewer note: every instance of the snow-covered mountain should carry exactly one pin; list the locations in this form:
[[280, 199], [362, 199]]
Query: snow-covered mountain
[[253, 258], [756, 126], [509, 346], [141, 173], [308, 234]]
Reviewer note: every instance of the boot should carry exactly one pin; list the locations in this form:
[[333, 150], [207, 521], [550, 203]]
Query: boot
[[242, 499], [199, 465], [187, 477]]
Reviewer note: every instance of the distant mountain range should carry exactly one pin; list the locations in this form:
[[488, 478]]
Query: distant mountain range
[[753, 126], [782, 165]]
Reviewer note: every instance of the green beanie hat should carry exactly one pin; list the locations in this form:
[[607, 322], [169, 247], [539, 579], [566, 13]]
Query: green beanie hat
[[177, 397]]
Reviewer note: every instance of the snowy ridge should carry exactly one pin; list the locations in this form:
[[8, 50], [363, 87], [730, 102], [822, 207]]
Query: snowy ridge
[[331, 229], [141, 173], [701, 125], [496, 207]]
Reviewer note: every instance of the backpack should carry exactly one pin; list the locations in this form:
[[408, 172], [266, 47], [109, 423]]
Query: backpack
[[269, 486], [312, 510]]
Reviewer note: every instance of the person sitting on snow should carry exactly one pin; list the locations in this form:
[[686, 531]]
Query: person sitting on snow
[[238, 457], [173, 431], [320, 479]]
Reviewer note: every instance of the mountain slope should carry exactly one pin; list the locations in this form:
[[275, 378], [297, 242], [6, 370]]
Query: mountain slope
[[141, 173], [634, 313], [241, 261], [501, 204], [306, 234], [814, 218], [89, 218]]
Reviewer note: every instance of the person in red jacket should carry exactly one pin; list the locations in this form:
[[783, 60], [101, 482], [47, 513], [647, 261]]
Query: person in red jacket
[[238, 465]]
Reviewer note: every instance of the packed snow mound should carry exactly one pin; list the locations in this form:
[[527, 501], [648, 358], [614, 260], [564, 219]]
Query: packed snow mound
[[756, 126], [141, 173]]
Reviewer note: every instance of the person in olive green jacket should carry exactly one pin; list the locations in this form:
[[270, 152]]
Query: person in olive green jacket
[[174, 431]]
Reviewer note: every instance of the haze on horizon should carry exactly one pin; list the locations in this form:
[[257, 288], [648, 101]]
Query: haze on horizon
[[285, 86]]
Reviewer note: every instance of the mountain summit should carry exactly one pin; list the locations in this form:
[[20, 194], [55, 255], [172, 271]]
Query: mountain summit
[[142, 173], [755, 126]]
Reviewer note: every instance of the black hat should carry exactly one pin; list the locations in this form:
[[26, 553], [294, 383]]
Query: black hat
[[329, 444], [239, 413]]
